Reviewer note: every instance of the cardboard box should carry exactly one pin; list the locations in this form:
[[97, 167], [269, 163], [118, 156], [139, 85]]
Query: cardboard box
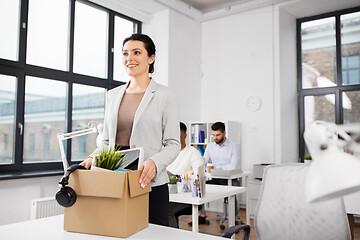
[[108, 203]]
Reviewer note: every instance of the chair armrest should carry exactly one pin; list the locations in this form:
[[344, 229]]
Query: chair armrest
[[235, 229]]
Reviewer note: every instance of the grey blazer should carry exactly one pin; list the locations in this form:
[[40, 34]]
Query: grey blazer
[[155, 127]]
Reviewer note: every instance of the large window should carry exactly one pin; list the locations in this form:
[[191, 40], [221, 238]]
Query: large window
[[329, 69], [56, 64]]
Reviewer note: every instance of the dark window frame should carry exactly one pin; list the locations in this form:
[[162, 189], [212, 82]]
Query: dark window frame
[[337, 90], [20, 69]]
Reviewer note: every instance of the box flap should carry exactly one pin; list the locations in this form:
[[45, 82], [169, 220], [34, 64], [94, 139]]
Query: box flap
[[134, 185], [98, 183]]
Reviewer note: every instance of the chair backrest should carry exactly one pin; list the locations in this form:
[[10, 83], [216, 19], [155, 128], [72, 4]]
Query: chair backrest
[[282, 212]]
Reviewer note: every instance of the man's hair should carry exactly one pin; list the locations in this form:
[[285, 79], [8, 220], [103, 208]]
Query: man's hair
[[218, 126], [183, 127]]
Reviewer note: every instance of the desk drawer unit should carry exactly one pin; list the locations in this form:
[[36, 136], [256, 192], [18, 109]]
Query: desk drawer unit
[[254, 190]]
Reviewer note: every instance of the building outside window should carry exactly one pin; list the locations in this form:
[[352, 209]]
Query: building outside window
[[6, 142], [31, 143]]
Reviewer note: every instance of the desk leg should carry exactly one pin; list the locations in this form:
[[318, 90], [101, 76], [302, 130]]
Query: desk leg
[[247, 200], [195, 218], [231, 211]]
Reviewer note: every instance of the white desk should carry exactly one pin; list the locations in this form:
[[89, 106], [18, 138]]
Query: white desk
[[245, 176], [213, 192], [52, 228]]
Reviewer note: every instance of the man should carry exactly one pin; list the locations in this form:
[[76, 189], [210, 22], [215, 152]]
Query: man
[[188, 160], [222, 153]]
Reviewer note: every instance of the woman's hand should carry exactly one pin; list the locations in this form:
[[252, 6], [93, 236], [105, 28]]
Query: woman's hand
[[87, 162], [148, 172]]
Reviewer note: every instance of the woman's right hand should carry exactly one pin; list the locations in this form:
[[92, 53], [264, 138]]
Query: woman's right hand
[[87, 162]]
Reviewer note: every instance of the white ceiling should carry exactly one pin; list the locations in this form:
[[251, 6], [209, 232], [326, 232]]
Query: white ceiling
[[204, 10], [298, 8]]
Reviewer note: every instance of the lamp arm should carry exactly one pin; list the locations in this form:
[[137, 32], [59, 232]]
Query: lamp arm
[[65, 136]]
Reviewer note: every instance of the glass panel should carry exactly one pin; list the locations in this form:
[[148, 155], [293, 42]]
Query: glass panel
[[318, 53], [90, 47], [48, 33], [7, 118], [123, 29], [351, 107], [319, 108], [44, 119], [350, 48], [88, 105], [9, 24]]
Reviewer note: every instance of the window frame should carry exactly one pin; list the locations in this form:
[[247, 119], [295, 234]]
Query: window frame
[[337, 90], [20, 69]]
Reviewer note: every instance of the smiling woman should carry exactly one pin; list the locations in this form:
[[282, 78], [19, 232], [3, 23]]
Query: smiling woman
[[144, 114]]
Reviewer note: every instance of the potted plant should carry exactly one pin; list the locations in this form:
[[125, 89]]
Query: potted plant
[[307, 158], [173, 180], [110, 159]]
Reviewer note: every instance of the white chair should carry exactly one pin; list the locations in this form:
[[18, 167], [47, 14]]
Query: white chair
[[283, 213]]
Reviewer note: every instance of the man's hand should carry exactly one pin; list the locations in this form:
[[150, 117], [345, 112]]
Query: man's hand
[[87, 162], [148, 172]]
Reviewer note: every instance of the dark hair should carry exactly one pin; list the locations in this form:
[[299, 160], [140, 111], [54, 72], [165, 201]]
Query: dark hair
[[218, 126], [148, 44], [183, 127]]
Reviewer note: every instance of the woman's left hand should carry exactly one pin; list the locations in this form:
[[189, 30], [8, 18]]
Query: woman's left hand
[[148, 168]]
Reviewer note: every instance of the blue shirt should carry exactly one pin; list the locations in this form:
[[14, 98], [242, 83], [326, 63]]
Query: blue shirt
[[225, 156]]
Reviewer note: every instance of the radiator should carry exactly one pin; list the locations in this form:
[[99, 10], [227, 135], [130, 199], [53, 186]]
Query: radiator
[[45, 207]]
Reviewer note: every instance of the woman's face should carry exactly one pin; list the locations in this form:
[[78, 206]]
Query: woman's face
[[136, 59]]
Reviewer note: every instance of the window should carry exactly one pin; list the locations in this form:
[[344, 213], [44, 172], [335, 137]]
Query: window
[[7, 117], [9, 22], [329, 80], [6, 143], [44, 115], [88, 106], [82, 145], [90, 50], [350, 48], [350, 70], [31, 143], [48, 40], [46, 143], [56, 64], [122, 30]]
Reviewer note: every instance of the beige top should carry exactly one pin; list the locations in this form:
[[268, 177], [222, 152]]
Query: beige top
[[128, 106]]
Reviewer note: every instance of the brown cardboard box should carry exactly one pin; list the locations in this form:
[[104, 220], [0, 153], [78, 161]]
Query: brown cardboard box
[[108, 203]]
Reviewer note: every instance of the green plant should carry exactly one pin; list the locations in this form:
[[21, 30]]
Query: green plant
[[307, 157], [110, 159], [173, 179]]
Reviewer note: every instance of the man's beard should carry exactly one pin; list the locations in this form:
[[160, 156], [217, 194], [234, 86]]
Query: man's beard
[[219, 141]]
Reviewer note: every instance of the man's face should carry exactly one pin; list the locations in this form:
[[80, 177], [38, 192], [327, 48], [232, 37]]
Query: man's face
[[219, 137]]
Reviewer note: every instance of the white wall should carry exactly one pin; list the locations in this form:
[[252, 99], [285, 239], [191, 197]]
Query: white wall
[[178, 65], [286, 100], [237, 55], [16, 196]]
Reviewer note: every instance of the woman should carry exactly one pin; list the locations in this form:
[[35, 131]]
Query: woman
[[142, 113]]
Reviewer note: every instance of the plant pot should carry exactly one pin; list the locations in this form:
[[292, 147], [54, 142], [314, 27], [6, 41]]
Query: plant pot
[[307, 161], [172, 188]]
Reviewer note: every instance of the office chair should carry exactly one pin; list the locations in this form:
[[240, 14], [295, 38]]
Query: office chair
[[282, 212]]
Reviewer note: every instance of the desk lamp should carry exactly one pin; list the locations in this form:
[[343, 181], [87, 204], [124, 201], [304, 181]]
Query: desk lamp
[[335, 169], [93, 127]]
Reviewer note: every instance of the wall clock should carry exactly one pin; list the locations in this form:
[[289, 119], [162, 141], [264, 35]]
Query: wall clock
[[253, 103]]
